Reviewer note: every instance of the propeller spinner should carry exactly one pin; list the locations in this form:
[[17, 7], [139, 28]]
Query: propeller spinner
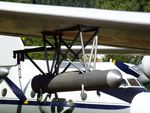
[[3, 74]]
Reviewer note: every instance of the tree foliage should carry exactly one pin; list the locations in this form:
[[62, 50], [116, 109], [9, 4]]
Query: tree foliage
[[133, 59], [128, 5], [74, 3]]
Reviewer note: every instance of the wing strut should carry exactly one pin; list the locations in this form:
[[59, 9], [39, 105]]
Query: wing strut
[[48, 81], [52, 42], [83, 51], [46, 53], [94, 48]]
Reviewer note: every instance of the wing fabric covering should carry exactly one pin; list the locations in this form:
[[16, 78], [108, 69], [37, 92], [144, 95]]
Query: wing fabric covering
[[117, 28]]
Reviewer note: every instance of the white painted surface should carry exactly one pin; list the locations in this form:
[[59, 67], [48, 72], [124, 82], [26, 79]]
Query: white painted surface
[[7, 45]]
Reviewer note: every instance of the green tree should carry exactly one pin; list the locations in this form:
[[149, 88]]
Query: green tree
[[133, 59], [74, 3], [128, 5]]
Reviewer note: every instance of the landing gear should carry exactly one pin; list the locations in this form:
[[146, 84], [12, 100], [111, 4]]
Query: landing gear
[[83, 94], [39, 96]]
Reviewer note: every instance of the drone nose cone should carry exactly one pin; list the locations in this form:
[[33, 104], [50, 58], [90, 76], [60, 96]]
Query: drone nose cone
[[114, 78], [141, 103], [4, 72]]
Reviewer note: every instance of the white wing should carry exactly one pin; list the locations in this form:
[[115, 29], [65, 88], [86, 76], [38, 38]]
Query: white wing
[[117, 28]]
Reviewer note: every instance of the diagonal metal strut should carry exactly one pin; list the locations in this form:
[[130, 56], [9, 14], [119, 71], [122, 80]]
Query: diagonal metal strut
[[59, 40]]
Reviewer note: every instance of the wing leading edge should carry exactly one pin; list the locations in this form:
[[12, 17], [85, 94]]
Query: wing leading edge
[[117, 28]]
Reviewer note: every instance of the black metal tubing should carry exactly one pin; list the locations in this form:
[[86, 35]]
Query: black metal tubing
[[34, 63], [19, 55], [46, 53], [58, 55], [69, 48], [37, 49], [56, 60], [58, 49], [90, 39], [55, 55]]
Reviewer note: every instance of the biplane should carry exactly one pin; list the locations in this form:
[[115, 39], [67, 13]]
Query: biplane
[[68, 84]]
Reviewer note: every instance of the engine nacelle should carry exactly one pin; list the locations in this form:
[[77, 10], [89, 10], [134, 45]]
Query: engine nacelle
[[4, 72], [146, 65], [72, 81]]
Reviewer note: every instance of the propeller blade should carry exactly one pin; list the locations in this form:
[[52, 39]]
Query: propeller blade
[[125, 68], [16, 91]]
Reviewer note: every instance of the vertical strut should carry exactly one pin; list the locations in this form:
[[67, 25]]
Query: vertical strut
[[94, 48], [54, 56], [46, 53], [59, 56], [91, 53], [95, 56], [58, 49], [86, 43], [83, 51]]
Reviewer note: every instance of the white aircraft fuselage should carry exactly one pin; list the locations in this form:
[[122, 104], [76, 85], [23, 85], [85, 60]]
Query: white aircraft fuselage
[[130, 97]]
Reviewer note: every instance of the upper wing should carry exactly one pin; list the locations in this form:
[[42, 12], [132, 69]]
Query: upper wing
[[117, 28]]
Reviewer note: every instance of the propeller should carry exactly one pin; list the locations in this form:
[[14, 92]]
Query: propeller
[[125, 68], [3, 74]]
